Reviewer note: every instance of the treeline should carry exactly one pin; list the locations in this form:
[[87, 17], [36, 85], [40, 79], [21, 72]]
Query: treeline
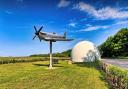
[[115, 46], [62, 54]]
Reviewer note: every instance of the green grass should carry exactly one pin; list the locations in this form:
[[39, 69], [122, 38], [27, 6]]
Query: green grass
[[35, 75], [120, 58]]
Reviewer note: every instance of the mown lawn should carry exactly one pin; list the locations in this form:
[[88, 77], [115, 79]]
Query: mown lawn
[[35, 75]]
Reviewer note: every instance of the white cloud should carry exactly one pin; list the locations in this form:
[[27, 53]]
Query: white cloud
[[121, 22], [103, 13], [88, 25], [98, 27], [72, 24], [63, 3], [92, 28]]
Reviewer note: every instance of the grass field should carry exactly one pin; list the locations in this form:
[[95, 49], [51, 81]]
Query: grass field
[[35, 75]]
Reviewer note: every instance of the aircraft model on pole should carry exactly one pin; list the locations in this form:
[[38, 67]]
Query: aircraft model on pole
[[51, 37]]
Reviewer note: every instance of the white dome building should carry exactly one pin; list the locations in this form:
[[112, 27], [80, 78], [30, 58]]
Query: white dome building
[[85, 51]]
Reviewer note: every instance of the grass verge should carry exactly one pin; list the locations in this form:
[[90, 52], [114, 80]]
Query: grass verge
[[34, 75]]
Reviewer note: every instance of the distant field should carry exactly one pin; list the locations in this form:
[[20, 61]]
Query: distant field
[[7, 60], [35, 75]]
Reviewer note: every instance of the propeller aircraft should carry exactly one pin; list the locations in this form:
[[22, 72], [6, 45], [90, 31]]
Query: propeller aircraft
[[51, 37]]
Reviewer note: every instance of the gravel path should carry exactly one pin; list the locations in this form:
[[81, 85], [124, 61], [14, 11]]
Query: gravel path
[[117, 62]]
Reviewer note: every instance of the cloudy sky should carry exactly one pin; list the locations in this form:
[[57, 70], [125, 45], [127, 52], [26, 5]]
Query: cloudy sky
[[92, 20]]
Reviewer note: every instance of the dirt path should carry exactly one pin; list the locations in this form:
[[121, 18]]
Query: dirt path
[[117, 62]]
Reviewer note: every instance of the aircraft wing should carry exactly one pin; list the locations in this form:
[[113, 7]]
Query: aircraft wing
[[63, 39], [57, 39]]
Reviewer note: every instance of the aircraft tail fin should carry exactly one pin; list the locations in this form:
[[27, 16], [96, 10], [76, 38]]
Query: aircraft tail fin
[[65, 35]]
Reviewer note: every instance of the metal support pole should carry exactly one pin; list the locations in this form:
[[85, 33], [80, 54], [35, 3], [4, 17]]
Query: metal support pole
[[50, 66]]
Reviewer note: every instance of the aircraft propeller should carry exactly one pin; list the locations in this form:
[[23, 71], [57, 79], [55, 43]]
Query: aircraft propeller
[[37, 33]]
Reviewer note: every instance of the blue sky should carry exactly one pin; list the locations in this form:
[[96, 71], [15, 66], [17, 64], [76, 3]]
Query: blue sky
[[92, 20]]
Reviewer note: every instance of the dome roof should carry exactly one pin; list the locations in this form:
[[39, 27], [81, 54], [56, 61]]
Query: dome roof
[[85, 51]]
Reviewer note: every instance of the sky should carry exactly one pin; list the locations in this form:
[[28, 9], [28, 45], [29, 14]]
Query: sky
[[92, 20]]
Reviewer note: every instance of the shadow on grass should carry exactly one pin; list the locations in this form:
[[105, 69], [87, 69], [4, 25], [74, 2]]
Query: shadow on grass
[[47, 65]]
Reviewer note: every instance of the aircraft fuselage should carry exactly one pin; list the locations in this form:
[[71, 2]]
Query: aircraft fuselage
[[49, 35]]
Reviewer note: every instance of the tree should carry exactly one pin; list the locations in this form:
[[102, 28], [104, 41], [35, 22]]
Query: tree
[[116, 45]]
